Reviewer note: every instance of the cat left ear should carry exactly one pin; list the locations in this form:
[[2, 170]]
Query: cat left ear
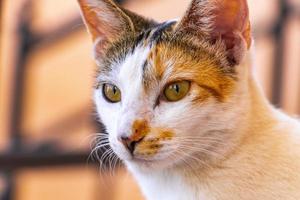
[[106, 21], [225, 20]]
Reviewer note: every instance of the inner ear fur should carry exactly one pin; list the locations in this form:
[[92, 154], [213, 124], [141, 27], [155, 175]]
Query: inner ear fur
[[220, 20], [106, 21]]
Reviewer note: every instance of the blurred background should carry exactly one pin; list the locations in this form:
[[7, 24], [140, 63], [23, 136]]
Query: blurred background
[[47, 121]]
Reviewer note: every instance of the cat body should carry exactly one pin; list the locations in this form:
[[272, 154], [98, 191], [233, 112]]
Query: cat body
[[182, 108]]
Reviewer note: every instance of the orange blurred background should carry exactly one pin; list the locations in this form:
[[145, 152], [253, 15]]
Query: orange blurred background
[[46, 79]]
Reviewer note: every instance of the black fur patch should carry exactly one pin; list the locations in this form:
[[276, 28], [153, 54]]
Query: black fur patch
[[158, 31], [117, 51]]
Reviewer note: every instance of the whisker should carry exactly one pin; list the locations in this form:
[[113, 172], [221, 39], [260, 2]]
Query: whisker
[[189, 164], [102, 142], [196, 137], [201, 150], [202, 140], [194, 159], [103, 159], [188, 146], [95, 149]]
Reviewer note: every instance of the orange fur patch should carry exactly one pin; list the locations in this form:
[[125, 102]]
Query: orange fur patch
[[199, 67], [140, 129], [152, 144]]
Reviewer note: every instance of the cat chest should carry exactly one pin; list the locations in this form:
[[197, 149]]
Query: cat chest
[[168, 188]]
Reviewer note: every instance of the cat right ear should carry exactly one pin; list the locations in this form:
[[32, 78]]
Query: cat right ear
[[220, 20]]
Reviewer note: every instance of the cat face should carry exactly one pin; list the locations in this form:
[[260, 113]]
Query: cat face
[[167, 91]]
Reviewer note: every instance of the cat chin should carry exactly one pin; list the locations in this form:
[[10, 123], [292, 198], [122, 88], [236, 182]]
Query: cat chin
[[145, 167], [149, 165]]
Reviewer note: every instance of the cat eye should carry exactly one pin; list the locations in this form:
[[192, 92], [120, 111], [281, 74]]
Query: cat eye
[[111, 93], [177, 90]]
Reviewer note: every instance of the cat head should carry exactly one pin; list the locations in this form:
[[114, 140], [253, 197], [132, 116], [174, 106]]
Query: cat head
[[166, 92]]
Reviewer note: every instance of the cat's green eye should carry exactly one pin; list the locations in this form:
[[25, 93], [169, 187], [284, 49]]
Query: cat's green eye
[[111, 93], [177, 90]]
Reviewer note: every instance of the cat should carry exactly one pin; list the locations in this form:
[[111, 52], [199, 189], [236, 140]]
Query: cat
[[182, 107]]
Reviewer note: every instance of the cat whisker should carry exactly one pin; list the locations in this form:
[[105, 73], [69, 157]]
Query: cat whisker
[[104, 158], [92, 138], [192, 160], [201, 150], [183, 149], [96, 137], [116, 162], [95, 151], [102, 142], [197, 140]]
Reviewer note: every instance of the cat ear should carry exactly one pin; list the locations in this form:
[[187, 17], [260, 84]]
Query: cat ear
[[106, 21], [225, 20]]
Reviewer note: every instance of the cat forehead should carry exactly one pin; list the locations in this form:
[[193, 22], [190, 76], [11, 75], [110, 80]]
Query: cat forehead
[[157, 56], [128, 43], [133, 47]]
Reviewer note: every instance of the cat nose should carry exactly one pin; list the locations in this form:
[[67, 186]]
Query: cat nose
[[138, 131], [130, 142]]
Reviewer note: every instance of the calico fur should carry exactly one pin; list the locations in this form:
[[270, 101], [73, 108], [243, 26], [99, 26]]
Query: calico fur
[[223, 140]]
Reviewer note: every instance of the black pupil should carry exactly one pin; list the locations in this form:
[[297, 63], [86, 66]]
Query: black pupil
[[114, 89], [176, 87]]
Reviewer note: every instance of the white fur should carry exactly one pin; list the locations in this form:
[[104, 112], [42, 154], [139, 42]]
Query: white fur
[[165, 185], [119, 117]]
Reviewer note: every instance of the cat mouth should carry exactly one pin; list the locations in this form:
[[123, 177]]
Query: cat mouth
[[145, 160], [144, 163], [150, 163], [141, 160]]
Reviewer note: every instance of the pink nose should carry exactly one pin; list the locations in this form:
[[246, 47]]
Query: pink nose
[[130, 142], [139, 130]]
